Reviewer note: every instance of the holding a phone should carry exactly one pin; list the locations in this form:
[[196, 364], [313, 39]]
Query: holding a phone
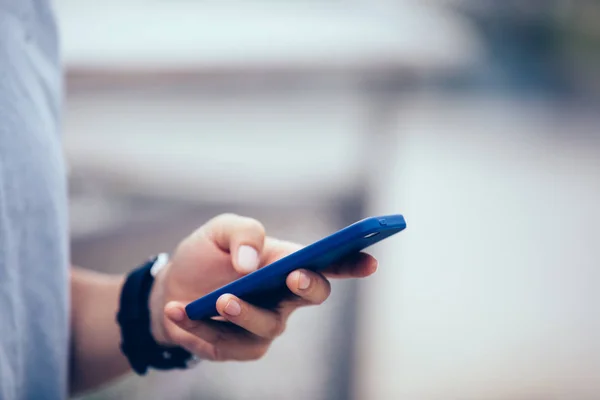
[[229, 289], [266, 286]]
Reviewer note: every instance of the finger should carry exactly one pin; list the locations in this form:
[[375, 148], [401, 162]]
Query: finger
[[311, 287], [263, 323], [236, 350], [357, 266], [214, 341], [212, 331], [175, 314], [242, 237], [191, 342]]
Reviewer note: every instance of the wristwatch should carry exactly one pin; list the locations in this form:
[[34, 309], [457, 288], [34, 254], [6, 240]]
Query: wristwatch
[[137, 343]]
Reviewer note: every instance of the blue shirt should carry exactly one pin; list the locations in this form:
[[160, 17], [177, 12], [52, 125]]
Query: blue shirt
[[34, 303]]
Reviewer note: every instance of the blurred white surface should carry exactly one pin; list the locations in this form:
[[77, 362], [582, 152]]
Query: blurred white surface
[[261, 145], [493, 291], [150, 35], [261, 148]]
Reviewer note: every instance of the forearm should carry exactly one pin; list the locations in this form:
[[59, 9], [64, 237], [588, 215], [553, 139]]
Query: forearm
[[96, 357]]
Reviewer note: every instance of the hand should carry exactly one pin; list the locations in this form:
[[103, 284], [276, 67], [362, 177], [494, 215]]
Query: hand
[[221, 251]]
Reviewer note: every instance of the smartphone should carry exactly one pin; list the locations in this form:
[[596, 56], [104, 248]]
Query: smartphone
[[266, 286]]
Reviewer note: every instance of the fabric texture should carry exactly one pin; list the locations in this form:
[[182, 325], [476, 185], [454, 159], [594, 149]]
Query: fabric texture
[[34, 303]]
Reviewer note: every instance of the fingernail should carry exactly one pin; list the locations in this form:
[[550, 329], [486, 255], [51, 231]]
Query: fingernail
[[247, 258], [233, 308], [176, 314], [303, 281]]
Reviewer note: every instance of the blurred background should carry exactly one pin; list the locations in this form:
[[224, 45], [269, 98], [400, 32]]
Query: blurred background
[[476, 119]]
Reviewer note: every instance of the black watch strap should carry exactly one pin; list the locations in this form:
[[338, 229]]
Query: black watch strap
[[133, 317]]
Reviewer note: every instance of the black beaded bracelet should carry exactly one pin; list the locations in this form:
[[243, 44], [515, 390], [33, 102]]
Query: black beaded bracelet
[[137, 343]]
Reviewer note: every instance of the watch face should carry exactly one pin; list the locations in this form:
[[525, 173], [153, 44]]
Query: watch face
[[161, 260]]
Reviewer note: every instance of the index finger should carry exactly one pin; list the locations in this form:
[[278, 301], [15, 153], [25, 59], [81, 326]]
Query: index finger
[[242, 237]]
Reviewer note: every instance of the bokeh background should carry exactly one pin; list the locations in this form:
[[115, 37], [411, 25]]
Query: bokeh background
[[476, 119]]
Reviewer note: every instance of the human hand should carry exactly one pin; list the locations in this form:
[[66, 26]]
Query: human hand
[[221, 251]]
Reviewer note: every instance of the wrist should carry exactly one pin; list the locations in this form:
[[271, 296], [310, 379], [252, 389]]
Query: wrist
[[140, 317], [156, 305]]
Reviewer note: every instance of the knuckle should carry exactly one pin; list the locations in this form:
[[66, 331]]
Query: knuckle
[[194, 327], [225, 217], [254, 225], [258, 352], [322, 292], [277, 328], [213, 354]]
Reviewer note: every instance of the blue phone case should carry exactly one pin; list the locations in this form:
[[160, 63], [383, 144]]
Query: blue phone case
[[266, 287]]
